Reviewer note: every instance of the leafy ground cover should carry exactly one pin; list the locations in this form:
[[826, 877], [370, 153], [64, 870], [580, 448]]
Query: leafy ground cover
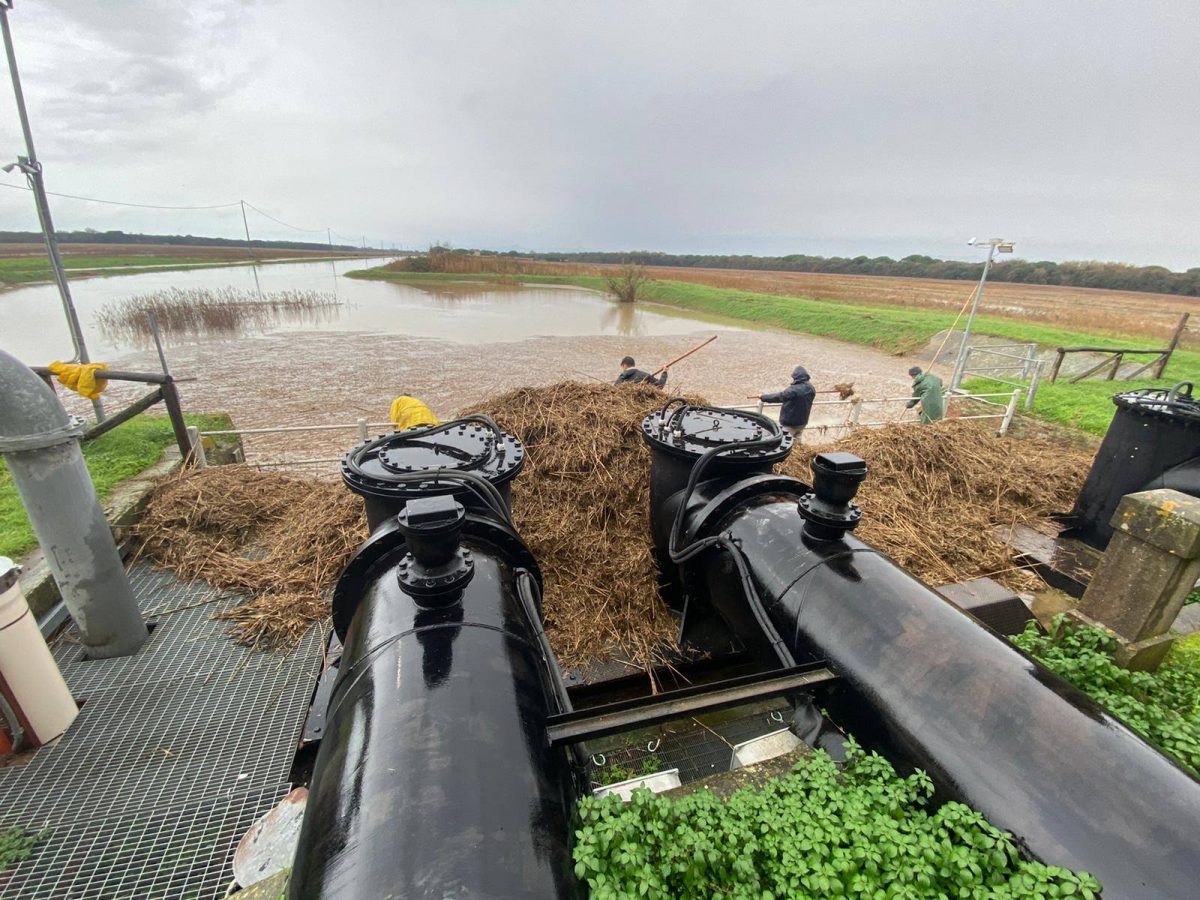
[[1162, 706], [821, 831]]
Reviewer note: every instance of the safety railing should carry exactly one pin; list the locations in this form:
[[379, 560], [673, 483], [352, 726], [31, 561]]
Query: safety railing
[[855, 405], [1026, 368], [1005, 404], [361, 427], [165, 392]]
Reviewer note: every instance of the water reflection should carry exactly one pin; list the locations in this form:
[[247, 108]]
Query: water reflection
[[623, 319], [471, 312]]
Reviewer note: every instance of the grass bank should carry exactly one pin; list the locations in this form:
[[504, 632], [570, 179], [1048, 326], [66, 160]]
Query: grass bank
[[111, 458], [27, 269], [896, 330], [1086, 406]]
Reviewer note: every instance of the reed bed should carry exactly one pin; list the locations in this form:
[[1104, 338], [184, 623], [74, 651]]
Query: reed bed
[[932, 500], [582, 504], [193, 312]]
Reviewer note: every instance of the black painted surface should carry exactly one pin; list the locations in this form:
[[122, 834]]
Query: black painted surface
[[434, 778], [1146, 439], [935, 690]]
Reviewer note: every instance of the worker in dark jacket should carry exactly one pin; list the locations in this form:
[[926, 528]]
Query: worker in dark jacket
[[630, 374], [927, 390], [797, 399]]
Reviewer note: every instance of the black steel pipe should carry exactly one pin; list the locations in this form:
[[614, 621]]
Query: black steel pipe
[[991, 726], [435, 777], [929, 685]]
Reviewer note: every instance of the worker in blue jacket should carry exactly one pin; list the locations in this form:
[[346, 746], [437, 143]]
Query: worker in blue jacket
[[797, 399]]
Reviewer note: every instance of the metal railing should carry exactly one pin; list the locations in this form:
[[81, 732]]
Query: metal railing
[[1005, 403], [1026, 367], [361, 427], [853, 418]]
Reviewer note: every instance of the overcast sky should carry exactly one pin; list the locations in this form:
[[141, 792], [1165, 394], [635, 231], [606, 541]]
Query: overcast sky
[[835, 127]]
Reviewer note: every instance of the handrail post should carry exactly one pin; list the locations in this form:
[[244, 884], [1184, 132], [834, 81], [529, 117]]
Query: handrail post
[[1034, 383], [1011, 411], [178, 425], [362, 428], [197, 446]]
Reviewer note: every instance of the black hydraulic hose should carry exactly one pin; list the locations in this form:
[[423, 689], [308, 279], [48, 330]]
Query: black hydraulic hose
[[724, 541], [526, 585]]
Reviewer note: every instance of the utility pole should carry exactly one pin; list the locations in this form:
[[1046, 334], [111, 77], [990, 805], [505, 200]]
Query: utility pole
[[250, 251], [332, 260], [994, 244], [32, 170]]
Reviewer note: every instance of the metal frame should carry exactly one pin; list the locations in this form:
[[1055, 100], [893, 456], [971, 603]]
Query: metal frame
[[613, 718], [166, 393]]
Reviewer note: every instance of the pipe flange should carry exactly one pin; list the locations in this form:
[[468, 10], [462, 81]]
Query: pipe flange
[[72, 431], [433, 584]]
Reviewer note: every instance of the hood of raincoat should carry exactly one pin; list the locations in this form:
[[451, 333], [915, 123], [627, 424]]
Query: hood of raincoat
[[799, 375]]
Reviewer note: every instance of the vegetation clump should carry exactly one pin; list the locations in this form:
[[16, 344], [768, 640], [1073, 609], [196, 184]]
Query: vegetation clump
[[1163, 706], [199, 311], [862, 831], [16, 844]]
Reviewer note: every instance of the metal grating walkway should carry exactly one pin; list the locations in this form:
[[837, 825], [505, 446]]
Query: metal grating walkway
[[175, 753]]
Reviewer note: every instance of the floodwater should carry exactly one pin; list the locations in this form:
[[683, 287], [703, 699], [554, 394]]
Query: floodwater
[[34, 329], [451, 344]]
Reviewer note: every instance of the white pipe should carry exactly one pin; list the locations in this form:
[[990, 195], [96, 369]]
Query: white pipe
[[29, 678]]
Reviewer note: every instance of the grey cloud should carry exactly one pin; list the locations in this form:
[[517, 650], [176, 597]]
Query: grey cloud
[[772, 127]]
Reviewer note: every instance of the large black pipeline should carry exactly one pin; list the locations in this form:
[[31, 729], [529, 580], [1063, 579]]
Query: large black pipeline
[[992, 727], [434, 777]]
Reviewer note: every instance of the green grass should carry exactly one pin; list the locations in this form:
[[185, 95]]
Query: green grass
[[111, 458], [1086, 406], [25, 269], [891, 328]]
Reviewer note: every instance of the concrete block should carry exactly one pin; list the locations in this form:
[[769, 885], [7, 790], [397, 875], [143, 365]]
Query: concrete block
[[1166, 519], [1145, 655], [1149, 568]]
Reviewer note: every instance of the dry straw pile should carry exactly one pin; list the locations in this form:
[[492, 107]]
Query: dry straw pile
[[279, 541], [934, 493], [582, 504], [931, 500]]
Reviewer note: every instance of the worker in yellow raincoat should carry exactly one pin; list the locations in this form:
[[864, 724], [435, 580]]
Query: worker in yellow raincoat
[[409, 411]]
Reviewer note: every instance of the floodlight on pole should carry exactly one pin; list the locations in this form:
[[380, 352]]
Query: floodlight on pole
[[993, 244], [32, 170]]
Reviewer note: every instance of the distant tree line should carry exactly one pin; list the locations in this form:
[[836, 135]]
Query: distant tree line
[[1115, 276], [120, 237]]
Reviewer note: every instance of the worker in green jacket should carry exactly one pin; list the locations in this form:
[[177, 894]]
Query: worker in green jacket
[[927, 390]]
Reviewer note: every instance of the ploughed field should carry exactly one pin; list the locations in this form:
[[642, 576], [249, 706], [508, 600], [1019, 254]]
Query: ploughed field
[[1081, 309]]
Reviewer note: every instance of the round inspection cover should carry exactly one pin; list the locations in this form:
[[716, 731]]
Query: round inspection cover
[[699, 429], [1182, 407], [468, 447]]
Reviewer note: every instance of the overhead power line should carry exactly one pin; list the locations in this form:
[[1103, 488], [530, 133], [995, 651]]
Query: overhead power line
[[266, 215], [281, 222], [21, 187]]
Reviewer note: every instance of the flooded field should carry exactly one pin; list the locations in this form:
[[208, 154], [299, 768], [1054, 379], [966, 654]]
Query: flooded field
[[450, 344]]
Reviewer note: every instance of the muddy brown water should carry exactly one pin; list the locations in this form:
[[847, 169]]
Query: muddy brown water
[[449, 344]]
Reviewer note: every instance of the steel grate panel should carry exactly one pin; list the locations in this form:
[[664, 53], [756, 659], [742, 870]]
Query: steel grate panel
[[174, 744], [183, 852]]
